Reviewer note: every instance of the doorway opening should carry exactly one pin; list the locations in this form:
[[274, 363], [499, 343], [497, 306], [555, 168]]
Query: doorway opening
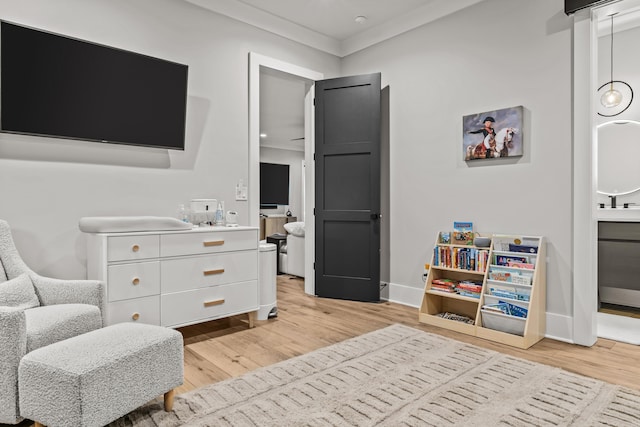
[[274, 87]]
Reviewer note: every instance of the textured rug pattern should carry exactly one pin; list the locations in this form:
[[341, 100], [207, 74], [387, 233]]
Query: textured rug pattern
[[400, 376]]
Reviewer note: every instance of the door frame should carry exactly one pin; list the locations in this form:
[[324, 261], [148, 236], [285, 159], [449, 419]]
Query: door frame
[[585, 257], [256, 61]]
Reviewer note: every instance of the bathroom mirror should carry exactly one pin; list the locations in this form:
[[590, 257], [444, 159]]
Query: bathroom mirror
[[618, 156]]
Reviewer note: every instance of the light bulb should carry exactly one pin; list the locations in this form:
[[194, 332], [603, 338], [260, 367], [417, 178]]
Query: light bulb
[[611, 98]]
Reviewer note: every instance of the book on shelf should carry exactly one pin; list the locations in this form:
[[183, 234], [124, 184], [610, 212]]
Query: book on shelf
[[462, 238], [511, 292], [465, 293], [506, 259], [471, 259], [443, 289], [507, 308], [524, 265], [444, 238], [462, 226], [447, 282], [523, 248], [456, 317], [502, 276], [521, 279], [470, 286], [462, 233]]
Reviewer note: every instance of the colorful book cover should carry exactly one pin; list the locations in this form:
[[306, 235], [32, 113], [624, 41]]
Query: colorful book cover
[[503, 276], [521, 265], [462, 238], [469, 294], [445, 237], [515, 310], [523, 248], [462, 226], [497, 308], [506, 259]]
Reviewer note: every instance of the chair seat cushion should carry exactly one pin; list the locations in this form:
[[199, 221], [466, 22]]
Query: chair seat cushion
[[52, 323]]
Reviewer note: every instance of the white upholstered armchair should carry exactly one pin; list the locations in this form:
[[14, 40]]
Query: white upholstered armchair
[[36, 311], [292, 257]]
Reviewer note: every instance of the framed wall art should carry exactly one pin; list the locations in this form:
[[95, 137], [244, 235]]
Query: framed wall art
[[493, 134]]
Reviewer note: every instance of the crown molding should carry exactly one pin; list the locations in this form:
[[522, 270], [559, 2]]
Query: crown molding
[[271, 23], [401, 24], [290, 30]]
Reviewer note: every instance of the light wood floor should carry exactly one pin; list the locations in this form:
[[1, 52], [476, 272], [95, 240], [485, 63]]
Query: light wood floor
[[620, 310], [226, 348]]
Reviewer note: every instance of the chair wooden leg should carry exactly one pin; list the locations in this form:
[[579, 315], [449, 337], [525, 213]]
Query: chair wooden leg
[[168, 400]]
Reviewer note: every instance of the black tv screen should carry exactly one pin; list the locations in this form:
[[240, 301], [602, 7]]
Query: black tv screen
[[274, 185], [53, 85], [571, 6]]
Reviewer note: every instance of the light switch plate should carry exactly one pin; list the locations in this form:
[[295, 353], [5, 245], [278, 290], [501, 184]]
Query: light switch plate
[[241, 192]]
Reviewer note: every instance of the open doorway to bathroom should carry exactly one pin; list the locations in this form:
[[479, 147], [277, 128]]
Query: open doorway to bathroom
[[617, 177]]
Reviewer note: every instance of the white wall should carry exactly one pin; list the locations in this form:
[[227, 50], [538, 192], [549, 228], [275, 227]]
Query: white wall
[[495, 54], [47, 185], [294, 160]]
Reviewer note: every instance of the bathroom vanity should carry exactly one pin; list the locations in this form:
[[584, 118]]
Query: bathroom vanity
[[619, 256]]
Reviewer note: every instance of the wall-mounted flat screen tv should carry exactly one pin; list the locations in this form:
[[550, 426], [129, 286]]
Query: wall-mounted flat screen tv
[[57, 86], [274, 185]]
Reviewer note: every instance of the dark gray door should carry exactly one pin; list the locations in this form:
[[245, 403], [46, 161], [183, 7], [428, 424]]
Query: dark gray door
[[347, 204]]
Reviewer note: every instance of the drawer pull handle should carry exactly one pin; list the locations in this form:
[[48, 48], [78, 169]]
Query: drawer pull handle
[[212, 272], [135, 316], [135, 248], [214, 302], [136, 281], [213, 243]]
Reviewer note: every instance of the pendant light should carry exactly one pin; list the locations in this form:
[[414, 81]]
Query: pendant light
[[612, 97], [616, 95]]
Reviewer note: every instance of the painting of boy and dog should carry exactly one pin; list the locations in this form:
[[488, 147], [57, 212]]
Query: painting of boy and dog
[[493, 134]]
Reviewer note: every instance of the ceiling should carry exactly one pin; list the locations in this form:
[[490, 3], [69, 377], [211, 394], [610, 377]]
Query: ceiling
[[326, 25], [329, 25], [282, 110]]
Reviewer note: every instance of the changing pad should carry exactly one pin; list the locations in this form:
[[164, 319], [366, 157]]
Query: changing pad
[[122, 224]]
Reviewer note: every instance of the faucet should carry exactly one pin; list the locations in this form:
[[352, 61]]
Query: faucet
[[613, 201]]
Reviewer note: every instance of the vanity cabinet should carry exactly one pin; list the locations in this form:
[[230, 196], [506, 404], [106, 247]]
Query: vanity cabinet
[[176, 278]]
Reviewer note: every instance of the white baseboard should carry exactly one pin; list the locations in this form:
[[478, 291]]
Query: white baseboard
[[405, 295], [559, 327]]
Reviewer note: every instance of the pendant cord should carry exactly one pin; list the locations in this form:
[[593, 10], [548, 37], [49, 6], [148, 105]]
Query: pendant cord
[[611, 52]]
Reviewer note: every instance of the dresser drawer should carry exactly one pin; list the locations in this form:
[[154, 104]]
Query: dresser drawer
[[133, 280], [207, 242], [183, 274], [208, 303], [141, 310], [124, 248]]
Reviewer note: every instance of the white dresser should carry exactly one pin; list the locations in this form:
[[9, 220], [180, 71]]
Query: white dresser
[[176, 278]]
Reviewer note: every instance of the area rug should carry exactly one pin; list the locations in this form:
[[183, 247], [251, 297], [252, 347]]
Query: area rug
[[400, 376]]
